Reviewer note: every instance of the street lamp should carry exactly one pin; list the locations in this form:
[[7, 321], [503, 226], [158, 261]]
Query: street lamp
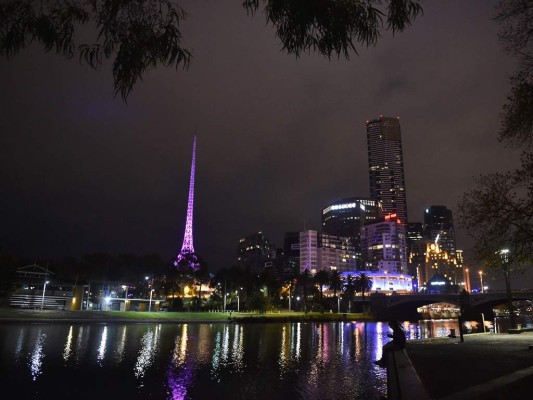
[[125, 287], [338, 304], [238, 303], [481, 280], [150, 304], [44, 290]]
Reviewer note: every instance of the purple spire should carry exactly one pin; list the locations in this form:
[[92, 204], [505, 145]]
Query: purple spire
[[187, 249]]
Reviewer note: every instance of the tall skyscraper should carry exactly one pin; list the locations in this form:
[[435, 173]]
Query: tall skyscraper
[[186, 253], [385, 165]]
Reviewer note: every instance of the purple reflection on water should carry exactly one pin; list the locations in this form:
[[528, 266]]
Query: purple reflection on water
[[179, 380]]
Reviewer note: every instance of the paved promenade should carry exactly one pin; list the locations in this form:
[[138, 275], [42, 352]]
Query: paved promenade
[[485, 366]]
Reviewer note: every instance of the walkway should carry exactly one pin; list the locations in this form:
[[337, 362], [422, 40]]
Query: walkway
[[485, 366]]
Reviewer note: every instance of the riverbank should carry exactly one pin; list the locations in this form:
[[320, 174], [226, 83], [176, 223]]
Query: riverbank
[[486, 366], [24, 315]]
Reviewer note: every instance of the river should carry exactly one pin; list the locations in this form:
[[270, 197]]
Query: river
[[200, 361]]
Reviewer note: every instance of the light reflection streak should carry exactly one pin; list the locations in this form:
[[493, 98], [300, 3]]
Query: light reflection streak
[[147, 352], [379, 341], [215, 360], [204, 341], [20, 342], [81, 341], [325, 341], [298, 340], [225, 345], [238, 348], [37, 355], [358, 340], [119, 352], [67, 352], [180, 374], [101, 348], [282, 350]]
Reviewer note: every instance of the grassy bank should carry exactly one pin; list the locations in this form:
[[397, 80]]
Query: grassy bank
[[9, 314]]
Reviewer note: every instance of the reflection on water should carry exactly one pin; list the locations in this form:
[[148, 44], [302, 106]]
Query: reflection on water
[[198, 361], [37, 355]]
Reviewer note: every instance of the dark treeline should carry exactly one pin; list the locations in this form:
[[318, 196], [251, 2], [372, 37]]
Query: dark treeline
[[127, 268]]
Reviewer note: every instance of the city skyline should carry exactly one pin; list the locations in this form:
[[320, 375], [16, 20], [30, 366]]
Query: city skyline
[[278, 137]]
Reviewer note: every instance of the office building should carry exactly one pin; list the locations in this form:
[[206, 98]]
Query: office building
[[386, 166], [254, 251], [384, 246], [345, 218]]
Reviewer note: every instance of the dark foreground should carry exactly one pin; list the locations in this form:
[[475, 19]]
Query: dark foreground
[[485, 366]]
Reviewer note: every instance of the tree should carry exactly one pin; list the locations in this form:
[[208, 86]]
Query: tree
[[305, 280], [142, 34], [498, 212], [335, 282], [516, 34], [322, 278], [363, 283], [349, 291], [498, 215]]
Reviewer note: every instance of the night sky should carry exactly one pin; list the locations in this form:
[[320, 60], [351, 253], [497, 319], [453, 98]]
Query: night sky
[[278, 137]]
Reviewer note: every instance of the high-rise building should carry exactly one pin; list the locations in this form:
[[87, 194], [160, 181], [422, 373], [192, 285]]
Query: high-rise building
[[254, 251], [322, 251], [336, 253], [309, 251], [384, 247], [438, 227], [385, 165], [416, 246], [345, 218]]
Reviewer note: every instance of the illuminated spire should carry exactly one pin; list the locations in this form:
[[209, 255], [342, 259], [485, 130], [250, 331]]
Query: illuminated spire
[[187, 249]]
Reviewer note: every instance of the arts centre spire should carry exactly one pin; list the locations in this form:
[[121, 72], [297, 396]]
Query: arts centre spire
[[186, 254]]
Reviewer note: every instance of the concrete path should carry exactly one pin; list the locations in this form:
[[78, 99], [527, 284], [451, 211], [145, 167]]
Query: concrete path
[[485, 366]]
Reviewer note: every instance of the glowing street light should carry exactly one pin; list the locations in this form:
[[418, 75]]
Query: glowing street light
[[150, 304], [125, 287], [481, 280], [44, 290]]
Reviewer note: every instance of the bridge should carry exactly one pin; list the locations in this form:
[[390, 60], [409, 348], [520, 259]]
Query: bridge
[[404, 306]]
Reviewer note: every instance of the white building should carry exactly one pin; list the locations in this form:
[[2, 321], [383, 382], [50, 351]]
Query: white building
[[383, 245]]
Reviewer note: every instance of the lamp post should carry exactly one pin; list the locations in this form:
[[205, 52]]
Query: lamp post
[[338, 304], [225, 296], [238, 302], [150, 304], [44, 290], [481, 280], [125, 287], [505, 255]]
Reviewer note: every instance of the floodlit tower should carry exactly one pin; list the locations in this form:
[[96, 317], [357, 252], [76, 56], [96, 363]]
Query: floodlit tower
[[187, 249]]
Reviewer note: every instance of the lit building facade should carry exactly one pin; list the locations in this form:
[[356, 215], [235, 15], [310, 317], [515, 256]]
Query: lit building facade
[[322, 251], [384, 246], [254, 251], [387, 283], [309, 251], [345, 218], [336, 253], [386, 165], [439, 228]]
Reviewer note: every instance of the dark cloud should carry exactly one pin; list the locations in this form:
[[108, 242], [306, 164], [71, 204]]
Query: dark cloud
[[278, 137]]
